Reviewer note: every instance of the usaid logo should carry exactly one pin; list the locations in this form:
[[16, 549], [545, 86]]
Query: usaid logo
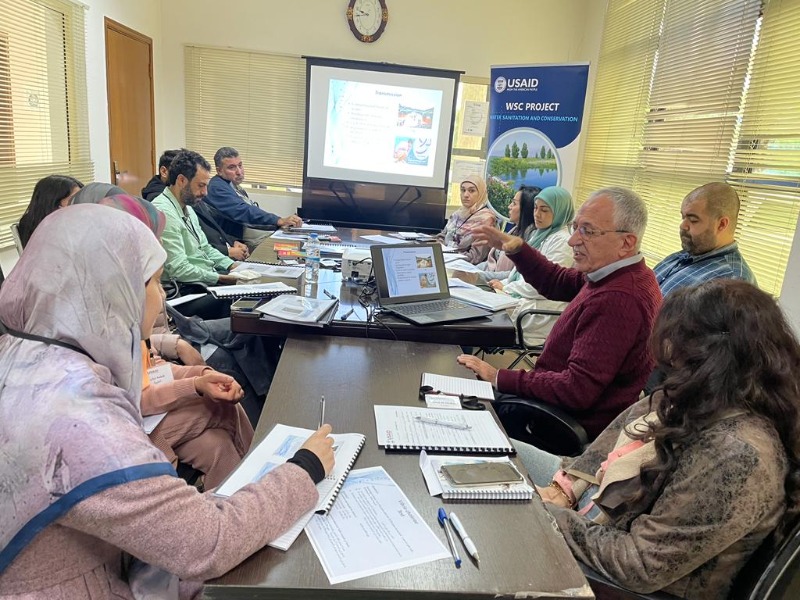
[[500, 84]]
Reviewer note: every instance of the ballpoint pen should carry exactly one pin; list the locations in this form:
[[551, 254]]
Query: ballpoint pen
[[468, 543], [321, 411], [329, 295], [449, 424], [347, 314], [445, 522]]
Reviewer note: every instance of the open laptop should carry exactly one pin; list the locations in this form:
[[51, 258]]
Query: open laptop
[[412, 284]]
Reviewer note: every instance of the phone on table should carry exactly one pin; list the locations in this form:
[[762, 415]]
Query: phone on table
[[483, 473], [246, 307]]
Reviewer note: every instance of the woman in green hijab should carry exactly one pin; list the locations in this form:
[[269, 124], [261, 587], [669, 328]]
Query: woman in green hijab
[[552, 215]]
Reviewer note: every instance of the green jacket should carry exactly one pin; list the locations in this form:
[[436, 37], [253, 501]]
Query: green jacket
[[190, 258]]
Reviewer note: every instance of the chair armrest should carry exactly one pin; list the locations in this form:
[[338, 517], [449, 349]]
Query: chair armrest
[[545, 426], [526, 313]]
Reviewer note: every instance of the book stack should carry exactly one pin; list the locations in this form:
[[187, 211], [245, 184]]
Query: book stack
[[440, 484], [299, 310]]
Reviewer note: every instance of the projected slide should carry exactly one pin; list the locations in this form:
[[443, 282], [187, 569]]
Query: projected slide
[[381, 128]]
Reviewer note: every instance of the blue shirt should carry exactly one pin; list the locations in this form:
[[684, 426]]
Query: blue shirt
[[235, 209], [682, 269]]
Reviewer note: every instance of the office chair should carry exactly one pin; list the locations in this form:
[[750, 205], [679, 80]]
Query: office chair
[[17, 239], [542, 425], [772, 573], [523, 350]]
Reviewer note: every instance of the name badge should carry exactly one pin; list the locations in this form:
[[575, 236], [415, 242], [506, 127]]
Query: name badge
[[160, 374]]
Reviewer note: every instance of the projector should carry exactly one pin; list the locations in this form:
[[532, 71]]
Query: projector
[[356, 264]]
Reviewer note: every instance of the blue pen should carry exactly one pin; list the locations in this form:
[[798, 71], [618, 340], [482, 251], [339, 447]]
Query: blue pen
[[448, 531]]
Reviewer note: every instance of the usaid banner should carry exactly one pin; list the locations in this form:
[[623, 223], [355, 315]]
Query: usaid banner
[[535, 116]]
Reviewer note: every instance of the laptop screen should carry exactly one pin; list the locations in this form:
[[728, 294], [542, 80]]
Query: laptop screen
[[409, 272]]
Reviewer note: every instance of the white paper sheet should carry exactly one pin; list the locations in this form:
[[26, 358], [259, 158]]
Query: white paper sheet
[[485, 299], [183, 299], [462, 265], [269, 270], [443, 402], [373, 528], [459, 385], [314, 227], [383, 239]]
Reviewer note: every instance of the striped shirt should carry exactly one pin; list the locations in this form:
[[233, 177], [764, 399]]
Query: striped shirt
[[682, 269]]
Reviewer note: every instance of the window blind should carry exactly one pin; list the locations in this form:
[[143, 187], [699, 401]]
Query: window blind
[[695, 101], [766, 161], [252, 101], [613, 138], [44, 126], [710, 95]]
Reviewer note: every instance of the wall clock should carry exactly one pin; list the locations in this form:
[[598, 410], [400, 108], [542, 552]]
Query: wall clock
[[367, 19]]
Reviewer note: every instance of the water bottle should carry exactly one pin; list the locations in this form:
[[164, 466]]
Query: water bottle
[[312, 258]]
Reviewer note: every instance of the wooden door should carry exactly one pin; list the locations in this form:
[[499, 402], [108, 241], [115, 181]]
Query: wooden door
[[131, 126]]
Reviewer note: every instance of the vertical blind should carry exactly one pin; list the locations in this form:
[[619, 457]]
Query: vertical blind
[[44, 126], [252, 101], [710, 97]]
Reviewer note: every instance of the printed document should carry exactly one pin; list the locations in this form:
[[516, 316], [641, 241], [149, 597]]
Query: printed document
[[373, 528]]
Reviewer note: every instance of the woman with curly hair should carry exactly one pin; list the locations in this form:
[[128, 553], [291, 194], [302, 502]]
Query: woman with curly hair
[[684, 486]]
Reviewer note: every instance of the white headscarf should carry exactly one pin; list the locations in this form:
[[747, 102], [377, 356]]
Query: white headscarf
[[70, 423]]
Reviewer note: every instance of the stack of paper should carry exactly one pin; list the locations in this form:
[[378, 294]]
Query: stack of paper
[[484, 299], [264, 270], [299, 309]]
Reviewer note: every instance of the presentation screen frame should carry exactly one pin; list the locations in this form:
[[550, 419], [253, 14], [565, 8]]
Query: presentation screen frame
[[383, 201]]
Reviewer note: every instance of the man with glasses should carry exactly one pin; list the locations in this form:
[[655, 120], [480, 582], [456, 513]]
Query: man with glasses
[[596, 358], [708, 223]]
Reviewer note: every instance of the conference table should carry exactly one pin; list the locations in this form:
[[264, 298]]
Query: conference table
[[496, 330], [522, 554]]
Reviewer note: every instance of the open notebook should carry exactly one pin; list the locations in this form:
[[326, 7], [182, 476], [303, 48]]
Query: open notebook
[[280, 445], [412, 428]]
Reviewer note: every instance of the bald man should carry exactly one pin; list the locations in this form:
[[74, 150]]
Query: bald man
[[708, 224]]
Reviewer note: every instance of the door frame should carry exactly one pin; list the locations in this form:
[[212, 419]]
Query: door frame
[[110, 24]]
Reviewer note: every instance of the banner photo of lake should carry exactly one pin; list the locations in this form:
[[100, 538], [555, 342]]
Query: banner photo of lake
[[535, 119]]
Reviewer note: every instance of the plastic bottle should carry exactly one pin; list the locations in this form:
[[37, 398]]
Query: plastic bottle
[[312, 258]]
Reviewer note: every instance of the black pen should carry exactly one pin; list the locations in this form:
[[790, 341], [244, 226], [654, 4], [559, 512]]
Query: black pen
[[329, 295]]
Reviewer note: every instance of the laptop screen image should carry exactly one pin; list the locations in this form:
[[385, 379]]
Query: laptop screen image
[[409, 273]]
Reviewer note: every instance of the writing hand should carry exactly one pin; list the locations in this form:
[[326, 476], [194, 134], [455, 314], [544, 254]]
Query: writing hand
[[482, 369], [322, 445]]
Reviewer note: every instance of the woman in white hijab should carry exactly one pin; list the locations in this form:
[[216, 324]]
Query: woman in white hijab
[[83, 482]]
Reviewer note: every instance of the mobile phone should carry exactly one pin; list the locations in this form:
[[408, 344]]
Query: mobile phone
[[245, 307], [483, 473]]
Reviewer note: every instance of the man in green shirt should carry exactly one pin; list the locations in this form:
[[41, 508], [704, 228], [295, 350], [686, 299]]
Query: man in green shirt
[[191, 260]]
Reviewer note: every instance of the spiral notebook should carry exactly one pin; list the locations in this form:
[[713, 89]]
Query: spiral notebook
[[413, 428], [254, 290], [279, 446], [439, 484]]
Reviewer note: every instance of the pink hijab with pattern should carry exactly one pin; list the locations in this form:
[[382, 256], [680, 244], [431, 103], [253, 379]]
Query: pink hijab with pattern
[[70, 423]]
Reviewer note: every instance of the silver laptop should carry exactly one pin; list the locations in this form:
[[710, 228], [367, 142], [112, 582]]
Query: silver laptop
[[412, 284]]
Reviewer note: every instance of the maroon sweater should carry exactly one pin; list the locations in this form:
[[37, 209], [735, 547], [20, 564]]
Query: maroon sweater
[[596, 359]]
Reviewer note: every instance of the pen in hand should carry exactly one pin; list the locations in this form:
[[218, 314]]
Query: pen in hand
[[468, 543], [321, 411], [448, 531]]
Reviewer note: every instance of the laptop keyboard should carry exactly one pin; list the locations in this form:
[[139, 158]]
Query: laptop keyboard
[[428, 307]]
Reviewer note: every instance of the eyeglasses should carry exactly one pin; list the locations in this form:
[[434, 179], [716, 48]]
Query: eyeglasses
[[586, 232]]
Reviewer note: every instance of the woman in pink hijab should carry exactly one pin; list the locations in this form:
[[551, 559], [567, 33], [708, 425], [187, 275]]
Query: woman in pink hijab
[[474, 211], [81, 485]]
